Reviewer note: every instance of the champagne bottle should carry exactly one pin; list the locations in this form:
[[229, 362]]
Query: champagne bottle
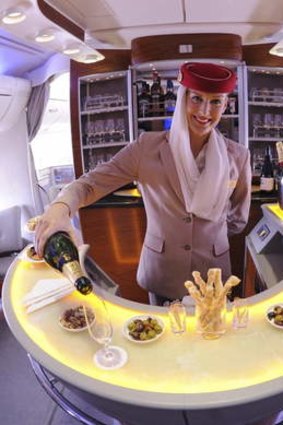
[[61, 253], [267, 177]]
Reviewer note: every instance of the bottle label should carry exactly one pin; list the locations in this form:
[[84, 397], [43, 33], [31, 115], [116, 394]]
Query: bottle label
[[267, 184], [72, 271]]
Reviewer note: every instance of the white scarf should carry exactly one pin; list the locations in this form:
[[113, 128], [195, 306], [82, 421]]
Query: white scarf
[[206, 192]]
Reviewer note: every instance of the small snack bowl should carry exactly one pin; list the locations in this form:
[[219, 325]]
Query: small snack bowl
[[31, 255], [143, 329], [31, 224], [274, 315], [73, 319]]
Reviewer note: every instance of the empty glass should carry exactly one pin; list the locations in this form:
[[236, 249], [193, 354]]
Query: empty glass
[[240, 313], [177, 316], [101, 330]]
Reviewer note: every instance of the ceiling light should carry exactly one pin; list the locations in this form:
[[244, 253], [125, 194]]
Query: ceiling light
[[14, 15], [72, 50], [45, 36], [90, 57]]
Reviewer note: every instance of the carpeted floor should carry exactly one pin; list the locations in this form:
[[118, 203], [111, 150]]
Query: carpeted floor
[[22, 399]]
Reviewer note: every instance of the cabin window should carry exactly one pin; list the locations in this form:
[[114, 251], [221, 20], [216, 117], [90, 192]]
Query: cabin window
[[52, 146]]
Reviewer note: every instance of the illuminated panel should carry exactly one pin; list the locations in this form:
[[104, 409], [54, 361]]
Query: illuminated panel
[[185, 364], [275, 208]]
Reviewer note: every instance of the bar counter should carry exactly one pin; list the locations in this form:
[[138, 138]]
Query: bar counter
[[176, 379]]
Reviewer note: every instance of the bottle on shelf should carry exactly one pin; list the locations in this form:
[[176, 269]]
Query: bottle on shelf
[[169, 98], [267, 176], [144, 101], [232, 106], [279, 177], [157, 96], [61, 254]]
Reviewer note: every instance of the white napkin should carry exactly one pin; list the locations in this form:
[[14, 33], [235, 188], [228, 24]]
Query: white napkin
[[46, 291]]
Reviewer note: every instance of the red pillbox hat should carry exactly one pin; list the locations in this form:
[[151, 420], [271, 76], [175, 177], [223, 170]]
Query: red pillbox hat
[[207, 77]]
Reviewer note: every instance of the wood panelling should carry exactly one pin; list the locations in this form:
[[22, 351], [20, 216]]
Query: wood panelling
[[258, 55], [166, 47], [115, 236], [60, 20]]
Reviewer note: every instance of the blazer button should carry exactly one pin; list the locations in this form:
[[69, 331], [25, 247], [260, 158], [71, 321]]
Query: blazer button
[[187, 247], [187, 219]]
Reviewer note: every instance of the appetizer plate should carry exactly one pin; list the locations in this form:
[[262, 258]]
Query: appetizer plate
[[30, 225], [143, 326], [72, 318], [274, 315]]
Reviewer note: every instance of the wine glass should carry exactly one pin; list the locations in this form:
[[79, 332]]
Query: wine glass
[[101, 330]]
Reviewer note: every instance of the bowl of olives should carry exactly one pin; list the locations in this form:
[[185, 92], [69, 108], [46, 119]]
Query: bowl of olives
[[143, 329], [274, 315]]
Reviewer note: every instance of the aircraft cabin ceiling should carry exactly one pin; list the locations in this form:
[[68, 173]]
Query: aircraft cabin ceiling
[[115, 23]]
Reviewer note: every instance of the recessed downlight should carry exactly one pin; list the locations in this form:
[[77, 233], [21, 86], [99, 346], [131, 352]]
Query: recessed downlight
[[13, 16], [71, 50], [45, 36]]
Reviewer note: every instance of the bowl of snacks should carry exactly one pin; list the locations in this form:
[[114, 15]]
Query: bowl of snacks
[[73, 318], [31, 224], [274, 315], [143, 329], [31, 255]]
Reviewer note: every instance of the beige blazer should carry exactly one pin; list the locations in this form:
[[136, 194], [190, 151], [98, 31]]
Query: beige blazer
[[176, 243]]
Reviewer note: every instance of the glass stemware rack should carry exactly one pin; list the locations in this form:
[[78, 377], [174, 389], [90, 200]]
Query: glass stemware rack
[[265, 101], [105, 116]]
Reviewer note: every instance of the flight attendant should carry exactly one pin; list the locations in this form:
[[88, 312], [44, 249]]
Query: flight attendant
[[195, 184]]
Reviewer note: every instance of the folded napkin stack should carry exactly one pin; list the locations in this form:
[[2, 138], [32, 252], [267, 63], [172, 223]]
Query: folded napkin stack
[[45, 292]]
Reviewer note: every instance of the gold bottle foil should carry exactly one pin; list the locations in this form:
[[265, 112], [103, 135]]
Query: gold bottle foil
[[72, 271]]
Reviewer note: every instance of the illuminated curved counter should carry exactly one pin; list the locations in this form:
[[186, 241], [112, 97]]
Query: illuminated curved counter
[[175, 380]]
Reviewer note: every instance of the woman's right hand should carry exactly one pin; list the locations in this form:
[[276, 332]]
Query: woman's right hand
[[56, 218]]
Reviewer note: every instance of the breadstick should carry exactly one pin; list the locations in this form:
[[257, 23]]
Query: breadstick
[[193, 291], [209, 296], [230, 282], [200, 282], [218, 282]]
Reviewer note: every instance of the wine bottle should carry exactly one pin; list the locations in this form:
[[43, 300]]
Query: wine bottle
[[267, 177], [144, 101], [61, 254], [169, 98], [157, 96]]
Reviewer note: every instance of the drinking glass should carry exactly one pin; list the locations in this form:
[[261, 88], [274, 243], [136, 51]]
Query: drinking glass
[[177, 316], [101, 331], [240, 313], [211, 319], [120, 130]]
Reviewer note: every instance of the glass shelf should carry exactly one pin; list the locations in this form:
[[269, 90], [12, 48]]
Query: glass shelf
[[105, 145], [104, 110], [266, 104]]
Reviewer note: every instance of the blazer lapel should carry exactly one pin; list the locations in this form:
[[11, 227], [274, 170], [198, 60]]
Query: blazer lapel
[[170, 169]]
